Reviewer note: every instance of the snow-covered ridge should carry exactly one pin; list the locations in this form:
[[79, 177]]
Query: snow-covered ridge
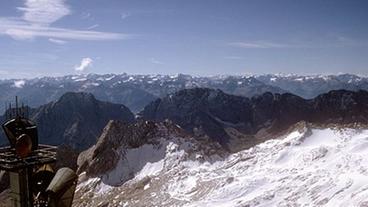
[[306, 86], [136, 91], [307, 167], [159, 78]]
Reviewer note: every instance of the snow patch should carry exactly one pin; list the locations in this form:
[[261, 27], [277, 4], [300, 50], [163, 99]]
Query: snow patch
[[19, 83], [316, 167], [137, 162]]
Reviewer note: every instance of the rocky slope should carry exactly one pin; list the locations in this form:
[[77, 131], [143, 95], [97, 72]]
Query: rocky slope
[[222, 116], [308, 166]]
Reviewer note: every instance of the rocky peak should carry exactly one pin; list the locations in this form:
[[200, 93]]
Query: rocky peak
[[81, 97]]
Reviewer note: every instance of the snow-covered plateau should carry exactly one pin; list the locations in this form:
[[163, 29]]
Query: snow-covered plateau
[[306, 167]]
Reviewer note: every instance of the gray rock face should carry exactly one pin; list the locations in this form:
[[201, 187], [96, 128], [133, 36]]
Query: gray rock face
[[212, 111]]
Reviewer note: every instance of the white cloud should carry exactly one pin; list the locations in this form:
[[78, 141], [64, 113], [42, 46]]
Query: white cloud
[[85, 63], [44, 12], [39, 15], [155, 61], [322, 42], [57, 41], [93, 26], [124, 15], [86, 15], [20, 30], [234, 57], [19, 83], [259, 45]]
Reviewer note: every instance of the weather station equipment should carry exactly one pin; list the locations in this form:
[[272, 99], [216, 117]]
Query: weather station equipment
[[33, 181]]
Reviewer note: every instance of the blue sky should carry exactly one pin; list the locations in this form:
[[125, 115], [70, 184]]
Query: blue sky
[[201, 37]]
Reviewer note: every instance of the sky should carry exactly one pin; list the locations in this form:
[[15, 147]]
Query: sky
[[198, 37]]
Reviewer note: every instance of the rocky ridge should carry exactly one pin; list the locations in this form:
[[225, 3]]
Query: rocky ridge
[[222, 116]]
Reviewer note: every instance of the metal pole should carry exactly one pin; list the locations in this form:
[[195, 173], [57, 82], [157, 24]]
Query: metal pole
[[16, 106]]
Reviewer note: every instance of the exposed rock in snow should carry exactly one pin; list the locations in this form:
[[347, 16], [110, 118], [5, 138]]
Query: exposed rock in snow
[[306, 167]]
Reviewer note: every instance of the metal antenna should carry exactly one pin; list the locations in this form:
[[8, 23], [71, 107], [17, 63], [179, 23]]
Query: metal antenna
[[16, 107], [23, 111], [10, 111], [6, 111], [27, 110]]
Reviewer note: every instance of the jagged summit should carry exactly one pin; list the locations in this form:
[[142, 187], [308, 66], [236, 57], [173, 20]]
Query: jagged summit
[[77, 97]]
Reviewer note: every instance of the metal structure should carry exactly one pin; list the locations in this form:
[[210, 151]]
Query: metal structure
[[33, 182], [21, 171]]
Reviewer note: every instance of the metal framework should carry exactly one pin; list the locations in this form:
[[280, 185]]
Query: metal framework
[[20, 171], [9, 161]]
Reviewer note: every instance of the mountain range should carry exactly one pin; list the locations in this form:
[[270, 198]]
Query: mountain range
[[136, 91], [77, 119]]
